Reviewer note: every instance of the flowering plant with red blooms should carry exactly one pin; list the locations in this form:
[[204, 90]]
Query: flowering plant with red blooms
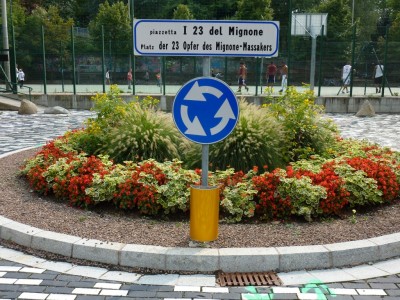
[[35, 167], [139, 191], [228, 179], [270, 205], [337, 196], [79, 183], [381, 172], [363, 175]]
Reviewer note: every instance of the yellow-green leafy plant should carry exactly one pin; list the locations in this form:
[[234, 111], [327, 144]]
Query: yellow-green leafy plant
[[237, 193], [307, 133], [363, 190], [110, 110], [304, 196]]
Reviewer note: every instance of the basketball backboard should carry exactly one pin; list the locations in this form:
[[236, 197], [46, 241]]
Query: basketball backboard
[[309, 24]]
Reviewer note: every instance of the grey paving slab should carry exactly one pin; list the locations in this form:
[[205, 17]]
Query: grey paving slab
[[248, 259], [54, 242], [365, 271], [303, 257], [353, 253], [95, 250], [18, 233], [143, 256], [191, 259], [332, 275]]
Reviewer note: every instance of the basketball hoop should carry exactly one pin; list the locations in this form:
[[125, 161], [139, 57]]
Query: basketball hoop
[[310, 24]]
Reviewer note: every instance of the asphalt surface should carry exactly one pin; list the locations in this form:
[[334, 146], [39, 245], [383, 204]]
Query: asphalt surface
[[26, 277]]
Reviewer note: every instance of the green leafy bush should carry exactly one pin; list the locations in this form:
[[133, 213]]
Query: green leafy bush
[[132, 131], [145, 134], [257, 140], [307, 133]]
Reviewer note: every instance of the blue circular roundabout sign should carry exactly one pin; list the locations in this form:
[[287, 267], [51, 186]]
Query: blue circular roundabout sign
[[205, 110]]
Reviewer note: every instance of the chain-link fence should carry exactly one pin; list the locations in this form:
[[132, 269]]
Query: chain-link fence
[[72, 61]]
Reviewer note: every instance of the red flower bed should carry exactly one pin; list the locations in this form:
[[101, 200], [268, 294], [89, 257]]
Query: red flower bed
[[379, 171], [337, 195], [50, 154], [270, 205], [135, 194], [78, 184]]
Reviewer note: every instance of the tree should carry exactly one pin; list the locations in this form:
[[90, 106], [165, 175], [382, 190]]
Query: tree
[[254, 10], [183, 12], [116, 22], [339, 36], [57, 30], [85, 11], [65, 7]]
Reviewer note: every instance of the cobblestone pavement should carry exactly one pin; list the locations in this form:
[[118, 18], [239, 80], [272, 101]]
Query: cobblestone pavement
[[26, 277]]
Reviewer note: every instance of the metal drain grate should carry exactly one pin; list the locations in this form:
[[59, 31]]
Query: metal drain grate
[[246, 279]]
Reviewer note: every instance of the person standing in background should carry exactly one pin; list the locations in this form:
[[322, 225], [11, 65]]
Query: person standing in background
[[146, 76], [129, 78], [21, 78], [378, 76], [346, 74], [284, 72], [242, 77], [271, 73], [108, 79], [158, 77]]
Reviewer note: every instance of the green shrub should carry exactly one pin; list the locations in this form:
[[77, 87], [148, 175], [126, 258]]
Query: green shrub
[[304, 196], [257, 140], [132, 131], [363, 190], [144, 134], [307, 133]]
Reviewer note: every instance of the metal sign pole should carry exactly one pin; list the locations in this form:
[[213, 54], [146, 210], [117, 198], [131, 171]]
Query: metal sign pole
[[205, 147]]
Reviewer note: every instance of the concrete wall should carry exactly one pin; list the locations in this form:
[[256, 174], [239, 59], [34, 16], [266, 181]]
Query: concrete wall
[[333, 104], [353, 104]]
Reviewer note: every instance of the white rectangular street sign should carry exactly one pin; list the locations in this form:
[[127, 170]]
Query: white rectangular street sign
[[205, 38]]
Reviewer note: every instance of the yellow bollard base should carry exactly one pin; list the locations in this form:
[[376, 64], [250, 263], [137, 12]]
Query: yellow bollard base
[[204, 213]]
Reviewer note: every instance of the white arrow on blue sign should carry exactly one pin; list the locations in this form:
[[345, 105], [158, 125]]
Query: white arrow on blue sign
[[205, 110]]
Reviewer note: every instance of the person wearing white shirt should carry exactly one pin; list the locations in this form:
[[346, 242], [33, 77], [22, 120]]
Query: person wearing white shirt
[[378, 75], [21, 78], [346, 77]]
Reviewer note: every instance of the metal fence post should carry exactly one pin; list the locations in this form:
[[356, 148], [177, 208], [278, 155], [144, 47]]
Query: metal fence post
[[44, 63], [320, 61], [289, 41], [62, 66], [13, 62], [353, 47], [163, 73], [73, 60], [257, 74], [103, 59], [385, 60]]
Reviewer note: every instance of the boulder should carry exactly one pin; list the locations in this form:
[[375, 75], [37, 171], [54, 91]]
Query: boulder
[[366, 110], [57, 110], [27, 108]]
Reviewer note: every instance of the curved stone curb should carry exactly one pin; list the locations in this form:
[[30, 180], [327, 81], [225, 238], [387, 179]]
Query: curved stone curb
[[283, 259]]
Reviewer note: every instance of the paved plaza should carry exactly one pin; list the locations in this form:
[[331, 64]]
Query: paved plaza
[[27, 277]]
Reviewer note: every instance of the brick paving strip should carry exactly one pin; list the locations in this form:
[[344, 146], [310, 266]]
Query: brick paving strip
[[21, 282]]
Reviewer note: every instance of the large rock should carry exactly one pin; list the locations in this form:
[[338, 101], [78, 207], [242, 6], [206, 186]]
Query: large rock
[[56, 110], [27, 108], [366, 110]]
